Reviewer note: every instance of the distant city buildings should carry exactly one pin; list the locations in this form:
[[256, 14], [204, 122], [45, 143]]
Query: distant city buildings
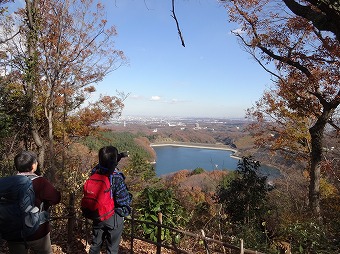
[[155, 123], [197, 126]]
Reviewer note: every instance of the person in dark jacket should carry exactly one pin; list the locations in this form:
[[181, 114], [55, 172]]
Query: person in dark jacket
[[46, 195], [110, 230]]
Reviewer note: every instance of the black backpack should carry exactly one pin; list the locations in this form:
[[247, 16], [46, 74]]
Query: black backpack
[[19, 217]]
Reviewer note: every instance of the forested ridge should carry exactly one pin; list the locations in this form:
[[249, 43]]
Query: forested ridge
[[54, 53]]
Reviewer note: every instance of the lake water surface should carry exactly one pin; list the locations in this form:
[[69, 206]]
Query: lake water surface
[[174, 158]]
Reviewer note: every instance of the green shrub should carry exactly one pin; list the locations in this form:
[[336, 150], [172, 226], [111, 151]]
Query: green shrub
[[310, 237], [153, 201]]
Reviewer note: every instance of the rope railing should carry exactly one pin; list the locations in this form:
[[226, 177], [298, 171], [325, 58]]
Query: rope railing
[[159, 244]]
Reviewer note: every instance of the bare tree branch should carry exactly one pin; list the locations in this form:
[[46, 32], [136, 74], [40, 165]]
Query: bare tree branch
[[10, 38], [175, 18]]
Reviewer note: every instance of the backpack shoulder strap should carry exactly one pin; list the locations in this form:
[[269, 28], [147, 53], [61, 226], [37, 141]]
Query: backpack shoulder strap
[[41, 207]]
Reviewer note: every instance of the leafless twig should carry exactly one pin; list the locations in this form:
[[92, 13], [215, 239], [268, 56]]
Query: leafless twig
[[175, 18]]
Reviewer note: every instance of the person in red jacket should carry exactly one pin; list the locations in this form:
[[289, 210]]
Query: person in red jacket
[[46, 195], [111, 229]]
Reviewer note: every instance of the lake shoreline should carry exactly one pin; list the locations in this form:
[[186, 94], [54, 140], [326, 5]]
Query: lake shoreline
[[204, 146], [200, 145], [196, 145]]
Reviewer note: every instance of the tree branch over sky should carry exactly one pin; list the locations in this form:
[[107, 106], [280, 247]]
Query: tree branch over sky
[[324, 14], [306, 61], [177, 24]]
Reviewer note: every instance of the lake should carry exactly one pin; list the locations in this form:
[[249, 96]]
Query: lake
[[174, 158]]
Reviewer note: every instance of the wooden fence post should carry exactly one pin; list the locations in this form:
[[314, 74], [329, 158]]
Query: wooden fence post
[[241, 247], [71, 220], [132, 230], [159, 233]]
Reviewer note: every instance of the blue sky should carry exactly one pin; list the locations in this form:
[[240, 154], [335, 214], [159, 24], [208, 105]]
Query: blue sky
[[211, 77]]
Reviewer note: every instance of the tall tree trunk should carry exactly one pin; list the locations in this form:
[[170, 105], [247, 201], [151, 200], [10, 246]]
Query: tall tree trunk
[[31, 75], [316, 132], [315, 172], [52, 167]]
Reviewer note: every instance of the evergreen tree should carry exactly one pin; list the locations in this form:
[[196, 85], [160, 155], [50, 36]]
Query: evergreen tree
[[244, 197]]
